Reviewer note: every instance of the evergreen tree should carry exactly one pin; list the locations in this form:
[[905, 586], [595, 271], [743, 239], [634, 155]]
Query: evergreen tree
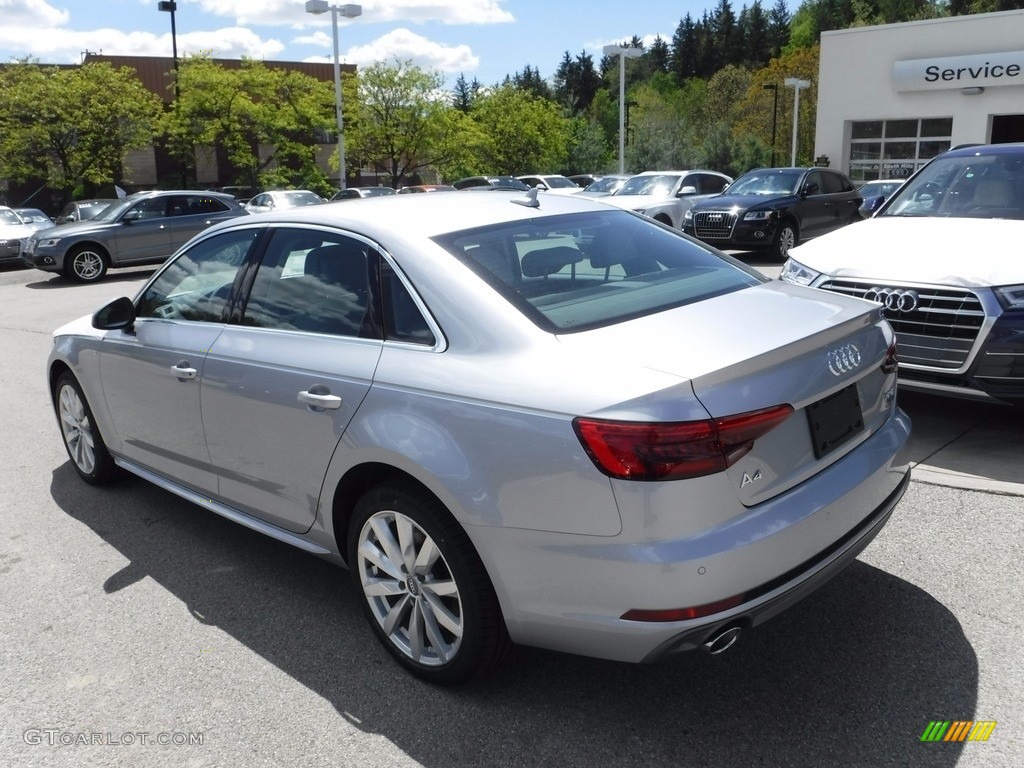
[[462, 96]]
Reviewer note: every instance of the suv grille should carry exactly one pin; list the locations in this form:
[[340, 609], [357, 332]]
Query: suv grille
[[713, 225], [938, 329]]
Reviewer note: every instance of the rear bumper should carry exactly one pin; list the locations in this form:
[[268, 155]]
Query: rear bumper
[[793, 586], [569, 593]]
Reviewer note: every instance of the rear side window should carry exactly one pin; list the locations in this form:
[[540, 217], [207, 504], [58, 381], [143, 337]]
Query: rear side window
[[314, 282], [582, 271]]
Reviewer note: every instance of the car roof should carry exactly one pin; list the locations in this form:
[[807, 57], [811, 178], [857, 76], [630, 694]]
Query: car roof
[[426, 216], [985, 149]]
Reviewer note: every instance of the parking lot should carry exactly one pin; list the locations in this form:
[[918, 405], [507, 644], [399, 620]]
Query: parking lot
[[140, 630]]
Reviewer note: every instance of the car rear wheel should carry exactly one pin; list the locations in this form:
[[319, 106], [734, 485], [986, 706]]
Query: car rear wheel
[[84, 444], [426, 592], [86, 264], [786, 237]]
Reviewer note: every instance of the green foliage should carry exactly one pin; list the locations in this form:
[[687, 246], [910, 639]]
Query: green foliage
[[262, 120], [72, 126], [521, 133], [399, 125]]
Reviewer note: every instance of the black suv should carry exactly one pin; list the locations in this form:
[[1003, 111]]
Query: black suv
[[774, 209]]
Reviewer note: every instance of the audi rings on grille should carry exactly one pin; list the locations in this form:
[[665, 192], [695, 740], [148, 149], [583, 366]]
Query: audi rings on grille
[[895, 299], [843, 359]]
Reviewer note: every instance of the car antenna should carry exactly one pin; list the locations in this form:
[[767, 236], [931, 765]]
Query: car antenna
[[529, 199]]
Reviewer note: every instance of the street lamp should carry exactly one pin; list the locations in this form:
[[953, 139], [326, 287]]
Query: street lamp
[[775, 113], [623, 52], [169, 6], [796, 84], [349, 12]]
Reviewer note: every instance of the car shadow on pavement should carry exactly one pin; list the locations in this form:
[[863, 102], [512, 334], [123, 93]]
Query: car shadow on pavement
[[55, 281], [850, 676]]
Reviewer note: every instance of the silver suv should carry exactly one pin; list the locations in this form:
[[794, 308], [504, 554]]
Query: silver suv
[[144, 228]]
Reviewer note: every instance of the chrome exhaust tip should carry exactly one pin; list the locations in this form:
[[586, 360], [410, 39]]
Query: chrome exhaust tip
[[723, 641]]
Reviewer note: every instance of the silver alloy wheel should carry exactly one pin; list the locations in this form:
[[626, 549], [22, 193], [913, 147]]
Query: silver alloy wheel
[[787, 240], [87, 265], [410, 588], [77, 429]]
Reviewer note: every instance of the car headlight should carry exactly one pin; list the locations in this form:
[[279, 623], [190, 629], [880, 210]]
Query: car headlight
[[1011, 296], [49, 242], [688, 216], [757, 215], [795, 272]]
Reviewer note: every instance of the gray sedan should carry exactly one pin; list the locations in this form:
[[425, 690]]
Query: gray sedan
[[516, 418]]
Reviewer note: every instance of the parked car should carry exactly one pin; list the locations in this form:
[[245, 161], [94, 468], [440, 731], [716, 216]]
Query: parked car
[[34, 216], [606, 185], [939, 257], [534, 420], [666, 196], [282, 198], [551, 182], [81, 210], [426, 188], [355, 193], [143, 228], [583, 180], [774, 209], [476, 183], [15, 229], [874, 193], [241, 193]]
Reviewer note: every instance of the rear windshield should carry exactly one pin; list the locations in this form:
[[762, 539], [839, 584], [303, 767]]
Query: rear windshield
[[583, 271]]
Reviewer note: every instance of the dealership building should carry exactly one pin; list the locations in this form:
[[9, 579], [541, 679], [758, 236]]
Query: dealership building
[[892, 97]]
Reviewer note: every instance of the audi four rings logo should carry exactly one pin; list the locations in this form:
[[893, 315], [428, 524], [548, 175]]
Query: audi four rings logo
[[844, 359], [896, 299]]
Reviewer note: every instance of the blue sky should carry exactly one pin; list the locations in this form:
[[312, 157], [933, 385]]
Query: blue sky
[[485, 39]]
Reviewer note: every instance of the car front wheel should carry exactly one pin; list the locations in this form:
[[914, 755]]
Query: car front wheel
[[786, 237], [425, 591], [82, 439], [86, 264]]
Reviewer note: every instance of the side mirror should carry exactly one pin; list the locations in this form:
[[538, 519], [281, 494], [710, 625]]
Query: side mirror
[[133, 215], [686, 191], [870, 205], [117, 315]]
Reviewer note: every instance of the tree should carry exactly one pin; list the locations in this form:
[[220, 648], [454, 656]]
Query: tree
[[576, 82], [63, 125], [462, 96], [262, 121], [521, 132], [530, 80], [402, 123]]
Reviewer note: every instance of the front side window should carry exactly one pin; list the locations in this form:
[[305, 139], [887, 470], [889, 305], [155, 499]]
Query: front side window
[[313, 281], [197, 285], [581, 271]]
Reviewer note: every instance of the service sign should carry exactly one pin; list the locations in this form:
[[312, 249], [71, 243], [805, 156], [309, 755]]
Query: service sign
[[983, 70]]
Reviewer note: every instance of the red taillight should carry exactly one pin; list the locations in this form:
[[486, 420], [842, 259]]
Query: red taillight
[[683, 614], [890, 363], [674, 450]]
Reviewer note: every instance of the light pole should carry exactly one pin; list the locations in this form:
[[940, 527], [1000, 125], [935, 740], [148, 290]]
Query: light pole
[[169, 6], [623, 52], [775, 113], [796, 84], [349, 12]]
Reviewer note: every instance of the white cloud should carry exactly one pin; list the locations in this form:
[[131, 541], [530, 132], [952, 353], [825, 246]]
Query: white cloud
[[408, 46], [292, 13]]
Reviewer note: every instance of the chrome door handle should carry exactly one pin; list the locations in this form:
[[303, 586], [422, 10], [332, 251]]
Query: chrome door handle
[[320, 399], [183, 371]]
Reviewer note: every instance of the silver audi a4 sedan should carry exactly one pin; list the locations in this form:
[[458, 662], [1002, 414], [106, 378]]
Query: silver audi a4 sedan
[[515, 418]]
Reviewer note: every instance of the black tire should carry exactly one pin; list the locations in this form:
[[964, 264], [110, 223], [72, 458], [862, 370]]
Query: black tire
[[86, 263], [445, 626], [82, 439], [786, 236]]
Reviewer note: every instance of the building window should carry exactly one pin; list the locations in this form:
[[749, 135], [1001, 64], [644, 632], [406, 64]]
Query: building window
[[894, 149]]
